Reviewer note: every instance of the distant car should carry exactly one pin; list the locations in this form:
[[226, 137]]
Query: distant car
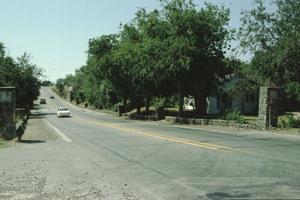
[[63, 112], [51, 97], [42, 101]]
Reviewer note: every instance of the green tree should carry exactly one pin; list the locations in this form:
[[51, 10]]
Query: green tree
[[176, 50], [60, 86], [21, 74], [196, 45], [28, 83], [274, 39], [108, 60], [46, 83]]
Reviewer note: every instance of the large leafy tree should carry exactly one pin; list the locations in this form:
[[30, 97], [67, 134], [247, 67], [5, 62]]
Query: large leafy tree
[[274, 39], [176, 50], [150, 71], [28, 82], [23, 75], [196, 43], [99, 68]]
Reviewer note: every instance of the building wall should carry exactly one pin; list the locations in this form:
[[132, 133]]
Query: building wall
[[247, 104], [250, 104], [212, 105], [238, 103]]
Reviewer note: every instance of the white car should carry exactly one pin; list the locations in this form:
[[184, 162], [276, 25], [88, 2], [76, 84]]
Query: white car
[[63, 112]]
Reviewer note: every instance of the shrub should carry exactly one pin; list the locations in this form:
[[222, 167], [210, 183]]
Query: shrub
[[115, 107], [234, 115], [168, 102], [290, 122]]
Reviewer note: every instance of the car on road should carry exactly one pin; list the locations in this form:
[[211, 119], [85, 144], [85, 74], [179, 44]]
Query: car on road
[[63, 112], [51, 97], [42, 101]]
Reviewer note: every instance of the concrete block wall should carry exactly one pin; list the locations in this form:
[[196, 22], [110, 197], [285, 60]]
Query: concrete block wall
[[214, 122], [7, 112]]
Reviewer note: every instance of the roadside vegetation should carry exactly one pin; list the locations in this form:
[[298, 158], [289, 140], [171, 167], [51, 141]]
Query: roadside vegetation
[[289, 121], [2, 143], [23, 75], [160, 56]]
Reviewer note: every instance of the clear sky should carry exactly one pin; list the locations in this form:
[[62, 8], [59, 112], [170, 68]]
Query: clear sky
[[56, 32]]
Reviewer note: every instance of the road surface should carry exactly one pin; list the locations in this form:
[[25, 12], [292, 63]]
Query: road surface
[[98, 156]]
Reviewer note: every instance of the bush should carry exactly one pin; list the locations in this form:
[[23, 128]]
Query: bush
[[168, 102], [289, 122], [234, 115], [115, 107]]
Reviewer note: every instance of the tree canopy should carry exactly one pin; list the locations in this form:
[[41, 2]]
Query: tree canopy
[[274, 38], [178, 50], [23, 75]]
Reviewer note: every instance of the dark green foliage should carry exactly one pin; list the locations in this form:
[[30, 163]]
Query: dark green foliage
[[242, 79], [290, 122], [46, 83], [178, 50], [234, 115], [274, 39], [21, 74], [60, 86]]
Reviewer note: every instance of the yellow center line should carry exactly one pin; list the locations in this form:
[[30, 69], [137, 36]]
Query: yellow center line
[[157, 135]]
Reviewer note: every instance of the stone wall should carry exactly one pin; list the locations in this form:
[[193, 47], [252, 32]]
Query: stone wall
[[7, 112], [214, 122]]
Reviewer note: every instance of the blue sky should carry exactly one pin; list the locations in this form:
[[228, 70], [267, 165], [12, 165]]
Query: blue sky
[[56, 32]]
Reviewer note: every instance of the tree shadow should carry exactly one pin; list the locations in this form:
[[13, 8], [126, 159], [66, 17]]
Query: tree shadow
[[40, 115], [222, 195], [32, 141]]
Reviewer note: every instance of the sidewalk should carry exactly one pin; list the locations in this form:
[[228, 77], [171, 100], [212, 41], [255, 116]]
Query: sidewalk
[[36, 131]]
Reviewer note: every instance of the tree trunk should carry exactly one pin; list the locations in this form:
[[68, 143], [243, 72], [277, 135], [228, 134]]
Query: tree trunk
[[180, 100], [125, 104], [138, 103], [200, 105], [147, 103], [138, 108]]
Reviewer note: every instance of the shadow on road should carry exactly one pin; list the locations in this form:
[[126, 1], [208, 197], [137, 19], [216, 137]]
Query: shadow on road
[[32, 141], [37, 115], [36, 107], [221, 195]]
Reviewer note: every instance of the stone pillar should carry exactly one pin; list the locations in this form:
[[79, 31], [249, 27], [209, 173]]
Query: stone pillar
[[7, 112], [268, 107]]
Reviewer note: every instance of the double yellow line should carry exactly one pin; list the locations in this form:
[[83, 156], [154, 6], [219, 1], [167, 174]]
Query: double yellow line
[[157, 135]]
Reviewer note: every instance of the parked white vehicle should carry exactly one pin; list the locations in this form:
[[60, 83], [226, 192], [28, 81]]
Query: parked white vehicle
[[63, 112]]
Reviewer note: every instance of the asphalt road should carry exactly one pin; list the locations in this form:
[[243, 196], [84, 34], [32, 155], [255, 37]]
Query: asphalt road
[[98, 156]]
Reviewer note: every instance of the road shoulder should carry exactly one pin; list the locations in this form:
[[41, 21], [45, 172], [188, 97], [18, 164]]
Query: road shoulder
[[37, 131], [237, 131]]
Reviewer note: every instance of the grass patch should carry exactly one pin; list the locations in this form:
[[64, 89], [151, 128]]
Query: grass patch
[[3, 143]]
